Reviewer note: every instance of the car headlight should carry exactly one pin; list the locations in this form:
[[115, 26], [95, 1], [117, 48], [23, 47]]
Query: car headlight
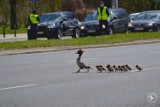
[[130, 25], [82, 27], [103, 26], [51, 26], [150, 24]]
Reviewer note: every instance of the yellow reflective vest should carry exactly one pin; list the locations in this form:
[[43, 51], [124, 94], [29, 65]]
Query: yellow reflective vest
[[102, 15], [33, 18]]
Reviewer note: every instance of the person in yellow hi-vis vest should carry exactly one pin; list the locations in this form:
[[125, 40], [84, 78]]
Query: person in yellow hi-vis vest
[[33, 22], [102, 16]]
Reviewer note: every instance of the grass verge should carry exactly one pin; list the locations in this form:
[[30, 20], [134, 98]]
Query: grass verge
[[97, 40], [9, 31]]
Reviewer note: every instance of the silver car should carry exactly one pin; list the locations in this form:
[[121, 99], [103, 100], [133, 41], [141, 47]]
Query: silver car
[[145, 21]]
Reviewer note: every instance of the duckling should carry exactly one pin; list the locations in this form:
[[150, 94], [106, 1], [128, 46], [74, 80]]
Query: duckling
[[81, 64], [124, 68], [120, 68], [128, 67], [109, 67], [100, 68], [116, 69], [139, 68]]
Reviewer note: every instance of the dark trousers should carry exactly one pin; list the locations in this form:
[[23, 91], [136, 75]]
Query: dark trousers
[[101, 23], [33, 30]]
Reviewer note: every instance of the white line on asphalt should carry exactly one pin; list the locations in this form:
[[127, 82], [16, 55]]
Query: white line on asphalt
[[83, 59], [146, 69], [152, 68], [15, 87], [90, 59], [154, 52]]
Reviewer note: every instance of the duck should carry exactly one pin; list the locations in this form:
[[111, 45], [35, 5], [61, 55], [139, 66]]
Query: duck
[[116, 69], [120, 68], [100, 68], [124, 68], [109, 67], [128, 67], [81, 65], [139, 68]]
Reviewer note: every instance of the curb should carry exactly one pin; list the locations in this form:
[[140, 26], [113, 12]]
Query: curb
[[64, 48]]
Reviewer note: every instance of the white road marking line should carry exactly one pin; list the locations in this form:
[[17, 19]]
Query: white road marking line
[[90, 59], [151, 68], [83, 59], [146, 69], [15, 87], [154, 52]]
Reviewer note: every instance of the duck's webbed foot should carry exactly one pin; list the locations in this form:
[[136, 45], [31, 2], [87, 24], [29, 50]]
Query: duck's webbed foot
[[78, 71], [87, 70]]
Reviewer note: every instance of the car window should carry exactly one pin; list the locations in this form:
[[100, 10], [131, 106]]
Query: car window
[[146, 16], [48, 17], [151, 16], [113, 14], [133, 15], [139, 16], [122, 14]]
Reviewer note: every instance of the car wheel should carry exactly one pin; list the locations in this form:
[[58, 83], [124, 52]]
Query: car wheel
[[128, 31], [59, 34], [76, 33], [110, 31], [158, 28]]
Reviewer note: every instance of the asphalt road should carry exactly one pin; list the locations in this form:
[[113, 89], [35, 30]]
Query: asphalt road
[[48, 79]]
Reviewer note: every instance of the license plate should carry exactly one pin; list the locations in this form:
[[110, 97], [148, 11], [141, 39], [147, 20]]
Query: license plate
[[91, 31], [39, 32], [139, 29]]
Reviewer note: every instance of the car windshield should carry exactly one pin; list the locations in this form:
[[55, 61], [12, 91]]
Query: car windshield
[[91, 16], [48, 17], [146, 16], [133, 15], [67, 15]]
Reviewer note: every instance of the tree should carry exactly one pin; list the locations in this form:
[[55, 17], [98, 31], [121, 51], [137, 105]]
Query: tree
[[79, 7], [154, 4], [4, 12]]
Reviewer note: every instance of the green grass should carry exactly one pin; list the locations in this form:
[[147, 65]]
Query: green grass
[[112, 39]]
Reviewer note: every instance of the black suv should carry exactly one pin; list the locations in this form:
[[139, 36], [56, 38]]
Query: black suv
[[56, 25], [118, 22]]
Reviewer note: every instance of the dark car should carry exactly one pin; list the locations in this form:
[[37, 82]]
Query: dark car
[[145, 21], [118, 22], [56, 25]]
